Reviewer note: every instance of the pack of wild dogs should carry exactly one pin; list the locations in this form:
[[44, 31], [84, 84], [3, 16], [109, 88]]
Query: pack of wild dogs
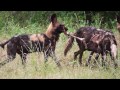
[[98, 41]]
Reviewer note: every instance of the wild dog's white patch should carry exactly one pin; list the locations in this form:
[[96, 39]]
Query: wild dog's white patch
[[114, 50], [99, 29]]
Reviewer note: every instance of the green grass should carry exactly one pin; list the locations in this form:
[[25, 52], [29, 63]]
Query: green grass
[[35, 68]]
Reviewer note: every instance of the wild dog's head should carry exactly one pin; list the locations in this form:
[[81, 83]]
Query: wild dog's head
[[55, 28]]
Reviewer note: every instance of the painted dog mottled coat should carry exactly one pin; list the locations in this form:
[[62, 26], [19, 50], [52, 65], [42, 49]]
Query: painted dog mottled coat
[[45, 42], [97, 40]]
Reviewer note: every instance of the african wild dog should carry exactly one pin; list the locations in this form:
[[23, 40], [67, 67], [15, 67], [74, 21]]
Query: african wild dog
[[45, 42], [96, 40], [108, 45]]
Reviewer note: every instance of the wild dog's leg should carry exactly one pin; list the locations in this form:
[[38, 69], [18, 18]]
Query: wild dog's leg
[[89, 58], [80, 57], [76, 54], [45, 56], [103, 58], [82, 49], [97, 54], [96, 58], [56, 60], [113, 59], [53, 55], [23, 57], [46, 51]]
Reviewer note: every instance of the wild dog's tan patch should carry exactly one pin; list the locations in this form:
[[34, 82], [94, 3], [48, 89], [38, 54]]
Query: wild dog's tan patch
[[37, 37], [97, 38], [51, 28]]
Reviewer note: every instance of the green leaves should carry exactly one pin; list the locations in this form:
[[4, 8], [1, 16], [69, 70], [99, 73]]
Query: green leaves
[[17, 22]]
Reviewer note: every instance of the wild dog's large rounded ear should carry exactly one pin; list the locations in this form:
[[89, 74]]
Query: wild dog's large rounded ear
[[53, 18]]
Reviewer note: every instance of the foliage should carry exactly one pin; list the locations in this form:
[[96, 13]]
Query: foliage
[[71, 18]]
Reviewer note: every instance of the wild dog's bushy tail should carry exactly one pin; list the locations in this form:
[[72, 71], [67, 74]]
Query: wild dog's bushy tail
[[3, 44], [68, 45]]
